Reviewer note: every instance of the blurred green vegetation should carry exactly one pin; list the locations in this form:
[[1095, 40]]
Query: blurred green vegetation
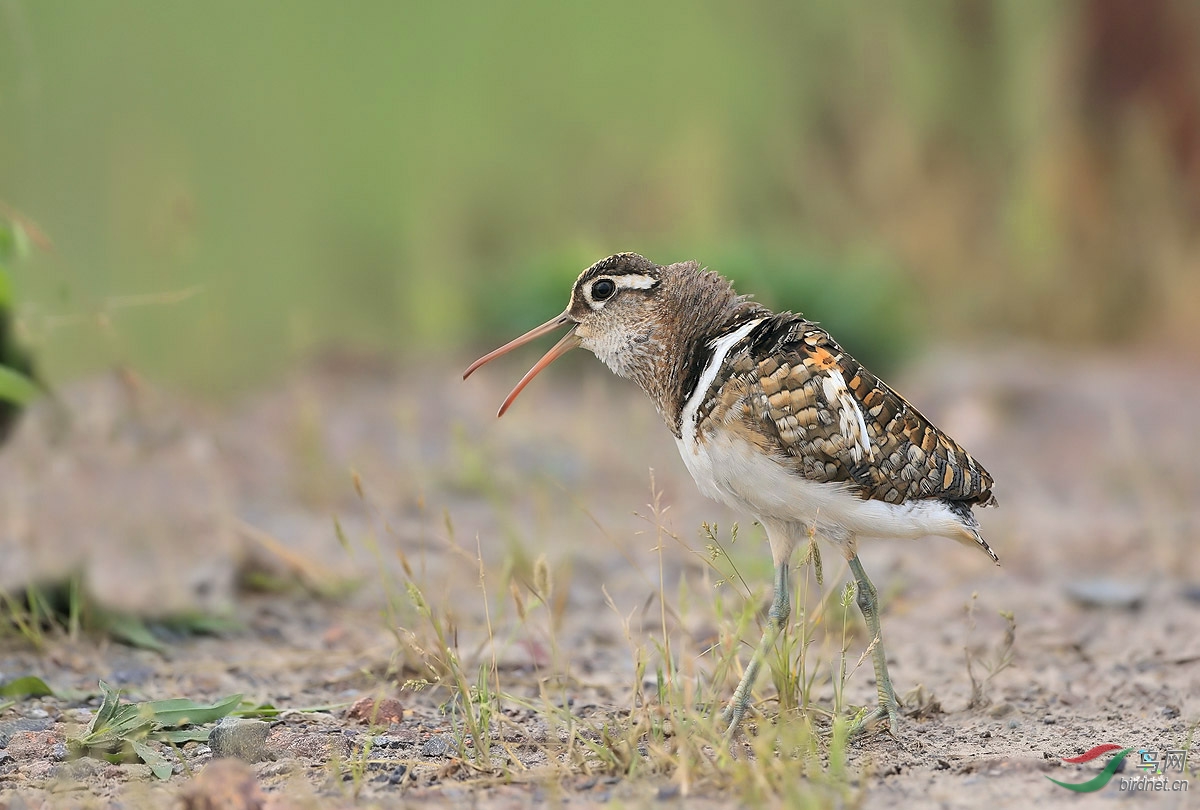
[[425, 178], [16, 366]]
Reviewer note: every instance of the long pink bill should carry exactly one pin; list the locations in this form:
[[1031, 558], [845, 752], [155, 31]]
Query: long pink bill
[[569, 341]]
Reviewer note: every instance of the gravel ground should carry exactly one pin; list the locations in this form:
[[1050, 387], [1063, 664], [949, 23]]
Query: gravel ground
[[171, 508]]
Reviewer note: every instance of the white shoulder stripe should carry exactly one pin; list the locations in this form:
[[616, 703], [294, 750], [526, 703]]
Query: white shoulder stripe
[[720, 347]]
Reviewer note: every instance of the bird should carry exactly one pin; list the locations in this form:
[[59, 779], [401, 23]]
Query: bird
[[772, 417]]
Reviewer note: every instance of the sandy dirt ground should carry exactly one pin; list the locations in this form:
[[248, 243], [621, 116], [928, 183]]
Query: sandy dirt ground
[[168, 507]]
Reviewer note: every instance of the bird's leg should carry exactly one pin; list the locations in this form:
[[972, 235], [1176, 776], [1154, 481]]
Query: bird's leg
[[781, 608], [869, 604]]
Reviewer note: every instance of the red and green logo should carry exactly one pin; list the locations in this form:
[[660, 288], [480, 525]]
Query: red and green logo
[[1101, 779]]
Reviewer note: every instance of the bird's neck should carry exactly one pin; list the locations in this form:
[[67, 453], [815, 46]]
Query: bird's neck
[[671, 369]]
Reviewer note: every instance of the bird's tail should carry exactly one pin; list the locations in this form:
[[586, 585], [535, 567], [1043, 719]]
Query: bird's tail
[[969, 533]]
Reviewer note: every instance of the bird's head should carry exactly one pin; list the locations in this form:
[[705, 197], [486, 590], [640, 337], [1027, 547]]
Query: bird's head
[[634, 315]]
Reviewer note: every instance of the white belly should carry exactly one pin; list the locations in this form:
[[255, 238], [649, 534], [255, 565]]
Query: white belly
[[729, 469]]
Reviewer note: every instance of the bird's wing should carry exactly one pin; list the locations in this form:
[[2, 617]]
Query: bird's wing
[[823, 415]]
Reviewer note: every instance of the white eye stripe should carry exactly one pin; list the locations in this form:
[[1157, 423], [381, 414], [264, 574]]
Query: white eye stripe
[[634, 281]]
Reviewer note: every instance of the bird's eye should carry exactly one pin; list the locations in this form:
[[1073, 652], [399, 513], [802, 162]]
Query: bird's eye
[[603, 289]]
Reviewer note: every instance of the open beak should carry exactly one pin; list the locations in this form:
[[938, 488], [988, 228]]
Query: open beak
[[569, 341]]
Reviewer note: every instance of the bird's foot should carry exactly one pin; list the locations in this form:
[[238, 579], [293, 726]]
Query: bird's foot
[[731, 718], [886, 710]]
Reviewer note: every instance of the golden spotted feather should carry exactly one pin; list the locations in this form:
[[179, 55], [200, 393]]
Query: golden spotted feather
[[790, 389]]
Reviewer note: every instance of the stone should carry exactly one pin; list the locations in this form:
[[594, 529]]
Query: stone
[[308, 745], [22, 724], [1103, 592], [240, 738], [77, 770], [435, 747], [377, 712], [30, 745]]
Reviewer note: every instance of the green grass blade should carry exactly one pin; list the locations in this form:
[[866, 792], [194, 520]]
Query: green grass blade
[[132, 631], [261, 710], [178, 736], [248, 709], [108, 707], [99, 731], [26, 687], [181, 712]]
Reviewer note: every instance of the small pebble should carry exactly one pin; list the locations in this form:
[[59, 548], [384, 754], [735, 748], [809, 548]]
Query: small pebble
[[280, 767], [435, 747], [397, 775], [1107, 593], [240, 738], [383, 711], [59, 752], [77, 770]]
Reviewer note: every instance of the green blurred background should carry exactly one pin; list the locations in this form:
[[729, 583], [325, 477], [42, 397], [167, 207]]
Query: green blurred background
[[426, 178]]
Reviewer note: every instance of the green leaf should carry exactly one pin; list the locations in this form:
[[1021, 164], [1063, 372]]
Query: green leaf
[[26, 687], [133, 631], [202, 624], [182, 712], [261, 710], [111, 698], [160, 766], [178, 736], [100, 730], [268, 710], [130, 721], [16, 387]]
